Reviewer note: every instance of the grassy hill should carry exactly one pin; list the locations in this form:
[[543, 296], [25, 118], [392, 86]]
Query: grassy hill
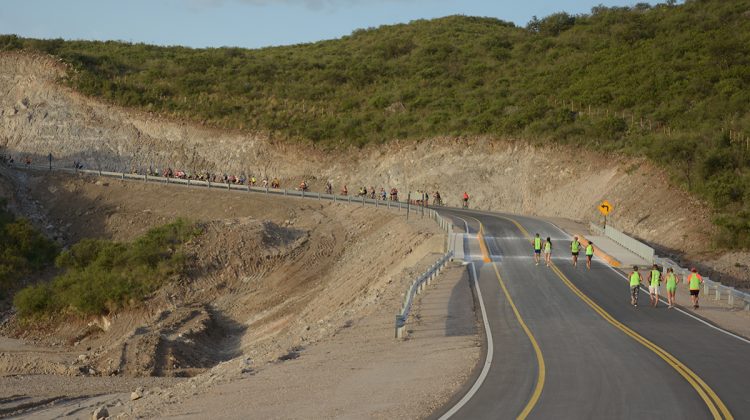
[[670, 82]]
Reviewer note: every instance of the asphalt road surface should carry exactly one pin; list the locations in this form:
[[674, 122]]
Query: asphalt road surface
[[568, 344]]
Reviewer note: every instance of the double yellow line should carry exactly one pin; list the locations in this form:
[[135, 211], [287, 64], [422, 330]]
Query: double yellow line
[[717, 407], [541, 367]]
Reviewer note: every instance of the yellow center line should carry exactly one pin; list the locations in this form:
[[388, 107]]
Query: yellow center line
[[542, 370], [715, 405]]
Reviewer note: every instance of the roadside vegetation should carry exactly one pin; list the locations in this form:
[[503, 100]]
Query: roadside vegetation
[[100, 277], [670, 82], [23, 250]]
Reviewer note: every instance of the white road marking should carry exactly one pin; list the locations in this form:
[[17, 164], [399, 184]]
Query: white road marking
[[487, 360]]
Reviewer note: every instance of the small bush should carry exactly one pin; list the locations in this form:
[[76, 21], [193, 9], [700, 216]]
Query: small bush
[[23, 250], [102, 276]]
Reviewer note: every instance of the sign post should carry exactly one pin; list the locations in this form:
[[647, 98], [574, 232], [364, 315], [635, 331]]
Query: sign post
[[605, 208]]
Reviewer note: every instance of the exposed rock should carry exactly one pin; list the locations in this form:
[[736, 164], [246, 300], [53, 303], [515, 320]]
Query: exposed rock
[[100, 413]]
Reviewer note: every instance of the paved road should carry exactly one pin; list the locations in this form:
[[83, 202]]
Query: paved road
[[596, 356]]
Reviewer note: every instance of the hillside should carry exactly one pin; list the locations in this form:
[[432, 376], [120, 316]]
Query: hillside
[[667, 82]]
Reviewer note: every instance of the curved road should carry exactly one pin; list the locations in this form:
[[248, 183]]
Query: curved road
[[567, 344]]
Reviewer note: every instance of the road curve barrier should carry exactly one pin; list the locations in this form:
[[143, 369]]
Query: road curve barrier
[[417, 286]]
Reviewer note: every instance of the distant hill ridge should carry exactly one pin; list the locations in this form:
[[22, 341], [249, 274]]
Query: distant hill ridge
[[685, 67]]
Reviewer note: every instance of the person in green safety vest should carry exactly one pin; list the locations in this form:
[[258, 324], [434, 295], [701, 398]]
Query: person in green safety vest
[[589, 254], [575, 248], [537, 248], [548, 251], [672, 280], [635, 285], [653, 285], [694, 281]]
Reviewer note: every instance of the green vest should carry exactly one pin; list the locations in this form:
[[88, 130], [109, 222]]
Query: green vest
[[635, 279], [655, 278], [695, 281], [547, 247], [537, 243], [574, 246], [590, 250], [671, 280]]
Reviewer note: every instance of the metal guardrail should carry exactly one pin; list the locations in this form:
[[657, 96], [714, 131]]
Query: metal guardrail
[[417, 287], [734, 297], [386, 204], [637, 247]]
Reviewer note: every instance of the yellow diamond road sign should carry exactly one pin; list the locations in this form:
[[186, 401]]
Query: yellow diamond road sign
[[605, 208]]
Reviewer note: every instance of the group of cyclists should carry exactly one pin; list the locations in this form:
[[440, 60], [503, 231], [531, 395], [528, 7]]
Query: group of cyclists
[[654, 279]]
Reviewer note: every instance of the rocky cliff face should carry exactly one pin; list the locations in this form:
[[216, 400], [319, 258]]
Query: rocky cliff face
[[40, 116]]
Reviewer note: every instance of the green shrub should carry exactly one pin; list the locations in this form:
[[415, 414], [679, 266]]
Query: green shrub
[[103, 276], [23, 250]]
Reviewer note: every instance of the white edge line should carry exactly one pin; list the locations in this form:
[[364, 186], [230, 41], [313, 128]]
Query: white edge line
[[682, 311], [487, 361]]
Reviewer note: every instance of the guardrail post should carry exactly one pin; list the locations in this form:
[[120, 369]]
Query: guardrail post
[[318, 196], [122, 177], [718, 293], [334, 198], [400, 323], [284, 191], [229, 186], [730, 298], [706, 288]]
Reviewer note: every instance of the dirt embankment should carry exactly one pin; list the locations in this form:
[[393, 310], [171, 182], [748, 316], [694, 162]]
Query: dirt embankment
[[268, 278], [39, 116]]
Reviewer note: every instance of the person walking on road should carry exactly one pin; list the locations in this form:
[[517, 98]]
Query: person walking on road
[[694, 281], [537, 248], [466, 200], [653, 287], [548, 251], [635, 285], [589, 254], [575, 248], [672, 281]]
